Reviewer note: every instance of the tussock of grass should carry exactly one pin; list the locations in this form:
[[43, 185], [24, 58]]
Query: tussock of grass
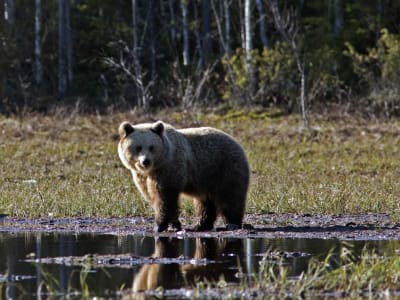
[[67, 164], [342, 275]]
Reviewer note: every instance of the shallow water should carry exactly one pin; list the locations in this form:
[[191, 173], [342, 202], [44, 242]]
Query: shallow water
[[26, 271]]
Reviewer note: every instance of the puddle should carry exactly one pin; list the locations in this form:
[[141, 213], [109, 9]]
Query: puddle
[[35, 264]]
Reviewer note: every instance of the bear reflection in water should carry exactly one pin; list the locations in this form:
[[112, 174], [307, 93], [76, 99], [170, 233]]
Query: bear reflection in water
[[219, 260]]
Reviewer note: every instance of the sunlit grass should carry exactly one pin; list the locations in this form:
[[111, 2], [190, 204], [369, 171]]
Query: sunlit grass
[[343, 275], [67, 165]]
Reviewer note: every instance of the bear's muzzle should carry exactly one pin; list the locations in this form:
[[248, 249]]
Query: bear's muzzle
[[143, 164]]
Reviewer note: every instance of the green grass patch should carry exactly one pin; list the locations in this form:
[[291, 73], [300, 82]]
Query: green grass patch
[[63, 165], [344, 275]]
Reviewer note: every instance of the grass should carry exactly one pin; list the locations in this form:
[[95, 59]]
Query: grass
[[67, 164], [369, 275]]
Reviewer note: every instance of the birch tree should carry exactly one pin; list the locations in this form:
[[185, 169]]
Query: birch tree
[[185, 29], [38, 45], [249, 47], [9, 12], [137, 75]]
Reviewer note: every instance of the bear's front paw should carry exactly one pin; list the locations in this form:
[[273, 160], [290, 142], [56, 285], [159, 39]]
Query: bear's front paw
[[176, 226], [161, 227]]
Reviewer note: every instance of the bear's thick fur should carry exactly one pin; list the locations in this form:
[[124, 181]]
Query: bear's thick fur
[[203, 163]]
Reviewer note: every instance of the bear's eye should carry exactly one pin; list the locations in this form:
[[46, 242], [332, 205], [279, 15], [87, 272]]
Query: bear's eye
[[151, 148], [138, 149]]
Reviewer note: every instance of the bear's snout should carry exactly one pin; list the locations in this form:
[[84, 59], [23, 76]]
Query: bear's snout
[[146, 162]]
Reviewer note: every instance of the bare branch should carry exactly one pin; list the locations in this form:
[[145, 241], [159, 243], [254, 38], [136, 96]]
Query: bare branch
[[288, 27]]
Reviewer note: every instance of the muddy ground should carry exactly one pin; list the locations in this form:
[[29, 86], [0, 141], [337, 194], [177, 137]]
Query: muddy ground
[[343, 227]]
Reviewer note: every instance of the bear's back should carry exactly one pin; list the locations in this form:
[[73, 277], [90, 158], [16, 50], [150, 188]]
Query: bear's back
[[215, 152]]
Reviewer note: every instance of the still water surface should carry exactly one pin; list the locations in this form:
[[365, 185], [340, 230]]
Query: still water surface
[[208, 258]]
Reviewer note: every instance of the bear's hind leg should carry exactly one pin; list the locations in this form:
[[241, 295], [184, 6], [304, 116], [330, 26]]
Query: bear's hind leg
[[232, 212], [206, 211]]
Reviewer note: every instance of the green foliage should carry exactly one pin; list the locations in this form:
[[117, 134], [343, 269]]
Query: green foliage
[[379, 71], [276, 72], [379, 63], [278, 77], [275, 64]]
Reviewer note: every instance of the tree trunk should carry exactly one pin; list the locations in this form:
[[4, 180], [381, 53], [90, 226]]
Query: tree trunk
[[185, 25], [263, 27], [38, 43], [135, 57], [227, 20], [172, 22], [247, 34], [198, 38], [242, 27], [68, 37], [205, 29], [9, 14], [225, 44], [2, 6], [134, 27], [248, 47], [380, 7], [152, 20], [219, 22], [62, 80], [339, 19]]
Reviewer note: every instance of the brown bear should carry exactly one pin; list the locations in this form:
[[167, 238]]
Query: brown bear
[[203, 163]]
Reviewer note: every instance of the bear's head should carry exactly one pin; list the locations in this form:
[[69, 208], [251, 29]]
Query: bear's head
[[141, 147]]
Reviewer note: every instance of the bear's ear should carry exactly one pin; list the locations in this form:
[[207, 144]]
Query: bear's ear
[[158, 127], [125, 129]]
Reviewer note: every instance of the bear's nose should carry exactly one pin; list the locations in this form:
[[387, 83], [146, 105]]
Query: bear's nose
[[146, 162]]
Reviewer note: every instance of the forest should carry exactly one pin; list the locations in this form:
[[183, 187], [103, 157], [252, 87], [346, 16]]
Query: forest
[[296, 56]]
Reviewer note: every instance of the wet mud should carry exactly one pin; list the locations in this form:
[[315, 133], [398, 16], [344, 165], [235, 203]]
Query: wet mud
[[342, 227]]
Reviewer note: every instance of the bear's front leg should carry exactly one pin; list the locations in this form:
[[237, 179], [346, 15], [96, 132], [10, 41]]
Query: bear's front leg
[[166, 210]]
